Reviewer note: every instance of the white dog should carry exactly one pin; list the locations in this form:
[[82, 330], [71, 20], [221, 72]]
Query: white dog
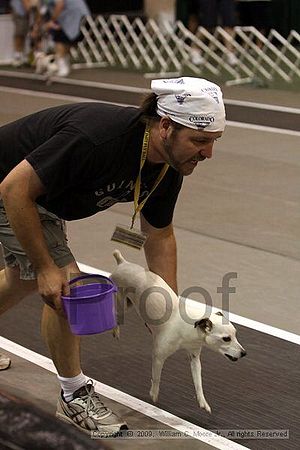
[[45, 64], [169, 319]]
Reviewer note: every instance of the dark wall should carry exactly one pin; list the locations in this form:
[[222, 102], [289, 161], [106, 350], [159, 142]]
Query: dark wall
[[99, 6], [4, 6], [284, 14], [114, 6]]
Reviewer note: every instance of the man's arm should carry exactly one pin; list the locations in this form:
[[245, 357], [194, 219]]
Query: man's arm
[[27, 5], [19, 191], [58, 9], [160, 252]]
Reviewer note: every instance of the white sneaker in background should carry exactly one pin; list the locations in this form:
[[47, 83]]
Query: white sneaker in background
[[196, 57], [63, 67], [19, 60], [232, 59]]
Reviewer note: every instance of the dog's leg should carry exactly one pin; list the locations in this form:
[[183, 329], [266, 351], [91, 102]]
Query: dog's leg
[[120, 306], [197, 378], [157, 364], [163, 346]]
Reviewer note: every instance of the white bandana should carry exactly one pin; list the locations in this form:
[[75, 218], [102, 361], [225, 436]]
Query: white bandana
[[192, 102]]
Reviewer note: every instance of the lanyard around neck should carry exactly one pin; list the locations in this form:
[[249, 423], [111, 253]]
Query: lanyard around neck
[[137, 188]]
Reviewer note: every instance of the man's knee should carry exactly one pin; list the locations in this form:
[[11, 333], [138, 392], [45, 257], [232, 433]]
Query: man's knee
[[12, 289]]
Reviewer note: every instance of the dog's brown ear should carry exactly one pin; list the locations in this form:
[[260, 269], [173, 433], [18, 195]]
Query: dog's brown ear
[[205, 325]]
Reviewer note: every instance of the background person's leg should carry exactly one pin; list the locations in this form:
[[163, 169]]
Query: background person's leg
[[12, 289], [62, 53], [207, 18], [20, 34], [208, 13], [228, 14]]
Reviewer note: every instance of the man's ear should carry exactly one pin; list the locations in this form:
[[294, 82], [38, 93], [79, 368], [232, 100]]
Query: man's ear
[[205, 325], [164, 126]]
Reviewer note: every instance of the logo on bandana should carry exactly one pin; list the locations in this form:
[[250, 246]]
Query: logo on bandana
[[213, 92], [216, 98], [174, 81], [181, 97], [202, 121]]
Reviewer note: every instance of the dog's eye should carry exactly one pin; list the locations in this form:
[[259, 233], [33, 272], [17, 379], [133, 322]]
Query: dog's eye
[[227, 339]]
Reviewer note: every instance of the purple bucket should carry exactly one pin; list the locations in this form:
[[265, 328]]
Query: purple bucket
[[90, 308]]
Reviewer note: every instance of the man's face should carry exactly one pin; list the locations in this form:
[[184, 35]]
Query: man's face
[[185, 147]]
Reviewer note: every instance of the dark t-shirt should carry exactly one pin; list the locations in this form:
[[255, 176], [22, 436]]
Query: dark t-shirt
[[87, 155]]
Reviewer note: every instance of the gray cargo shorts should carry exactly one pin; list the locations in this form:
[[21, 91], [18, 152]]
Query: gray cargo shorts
[[55, 235], [21, 25]]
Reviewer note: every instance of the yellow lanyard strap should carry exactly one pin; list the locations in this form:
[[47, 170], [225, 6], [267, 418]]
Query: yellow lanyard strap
[[137, 188]]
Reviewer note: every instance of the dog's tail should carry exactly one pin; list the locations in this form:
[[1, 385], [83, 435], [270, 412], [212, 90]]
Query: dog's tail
[[118, 256]]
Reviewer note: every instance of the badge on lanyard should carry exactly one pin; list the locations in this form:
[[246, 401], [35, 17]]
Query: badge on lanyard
[[129, 235]]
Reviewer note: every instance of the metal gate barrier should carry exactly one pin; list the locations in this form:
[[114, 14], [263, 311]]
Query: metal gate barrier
[[165, 50]]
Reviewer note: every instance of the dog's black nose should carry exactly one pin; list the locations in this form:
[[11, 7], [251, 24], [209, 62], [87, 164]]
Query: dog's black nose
[[243, 353]]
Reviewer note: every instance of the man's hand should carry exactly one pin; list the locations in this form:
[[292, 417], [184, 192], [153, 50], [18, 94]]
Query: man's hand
[[160, 252], [52, 284], [51, 25]]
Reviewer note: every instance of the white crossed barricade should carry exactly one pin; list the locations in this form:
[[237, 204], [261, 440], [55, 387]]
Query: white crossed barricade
[[120, 41]]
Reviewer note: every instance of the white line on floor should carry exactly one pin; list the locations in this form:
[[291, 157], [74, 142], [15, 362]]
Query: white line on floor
[[286, 109], [251, 126], [76, 82], [108, 86], [71, 98], [50, 95], [253, 324], [168, 419]]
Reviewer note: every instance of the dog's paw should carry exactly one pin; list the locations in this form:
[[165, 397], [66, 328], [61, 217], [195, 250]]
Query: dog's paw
[[116, 332], [154, 393], [204, 405]]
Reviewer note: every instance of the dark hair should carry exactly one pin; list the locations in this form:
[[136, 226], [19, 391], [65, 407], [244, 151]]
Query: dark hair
[[148, 108]]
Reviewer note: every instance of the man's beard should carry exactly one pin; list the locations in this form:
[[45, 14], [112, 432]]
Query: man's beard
[[168, 146], [177, 165]]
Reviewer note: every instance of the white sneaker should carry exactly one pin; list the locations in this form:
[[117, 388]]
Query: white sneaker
[[5, 362], [196, 57], [63, 67], [88, 413], [232, 59]]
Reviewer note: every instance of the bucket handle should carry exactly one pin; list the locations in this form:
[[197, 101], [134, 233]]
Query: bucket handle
[[85, 277]]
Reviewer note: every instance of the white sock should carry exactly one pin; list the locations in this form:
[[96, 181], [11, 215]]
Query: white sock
[[70, 385]]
